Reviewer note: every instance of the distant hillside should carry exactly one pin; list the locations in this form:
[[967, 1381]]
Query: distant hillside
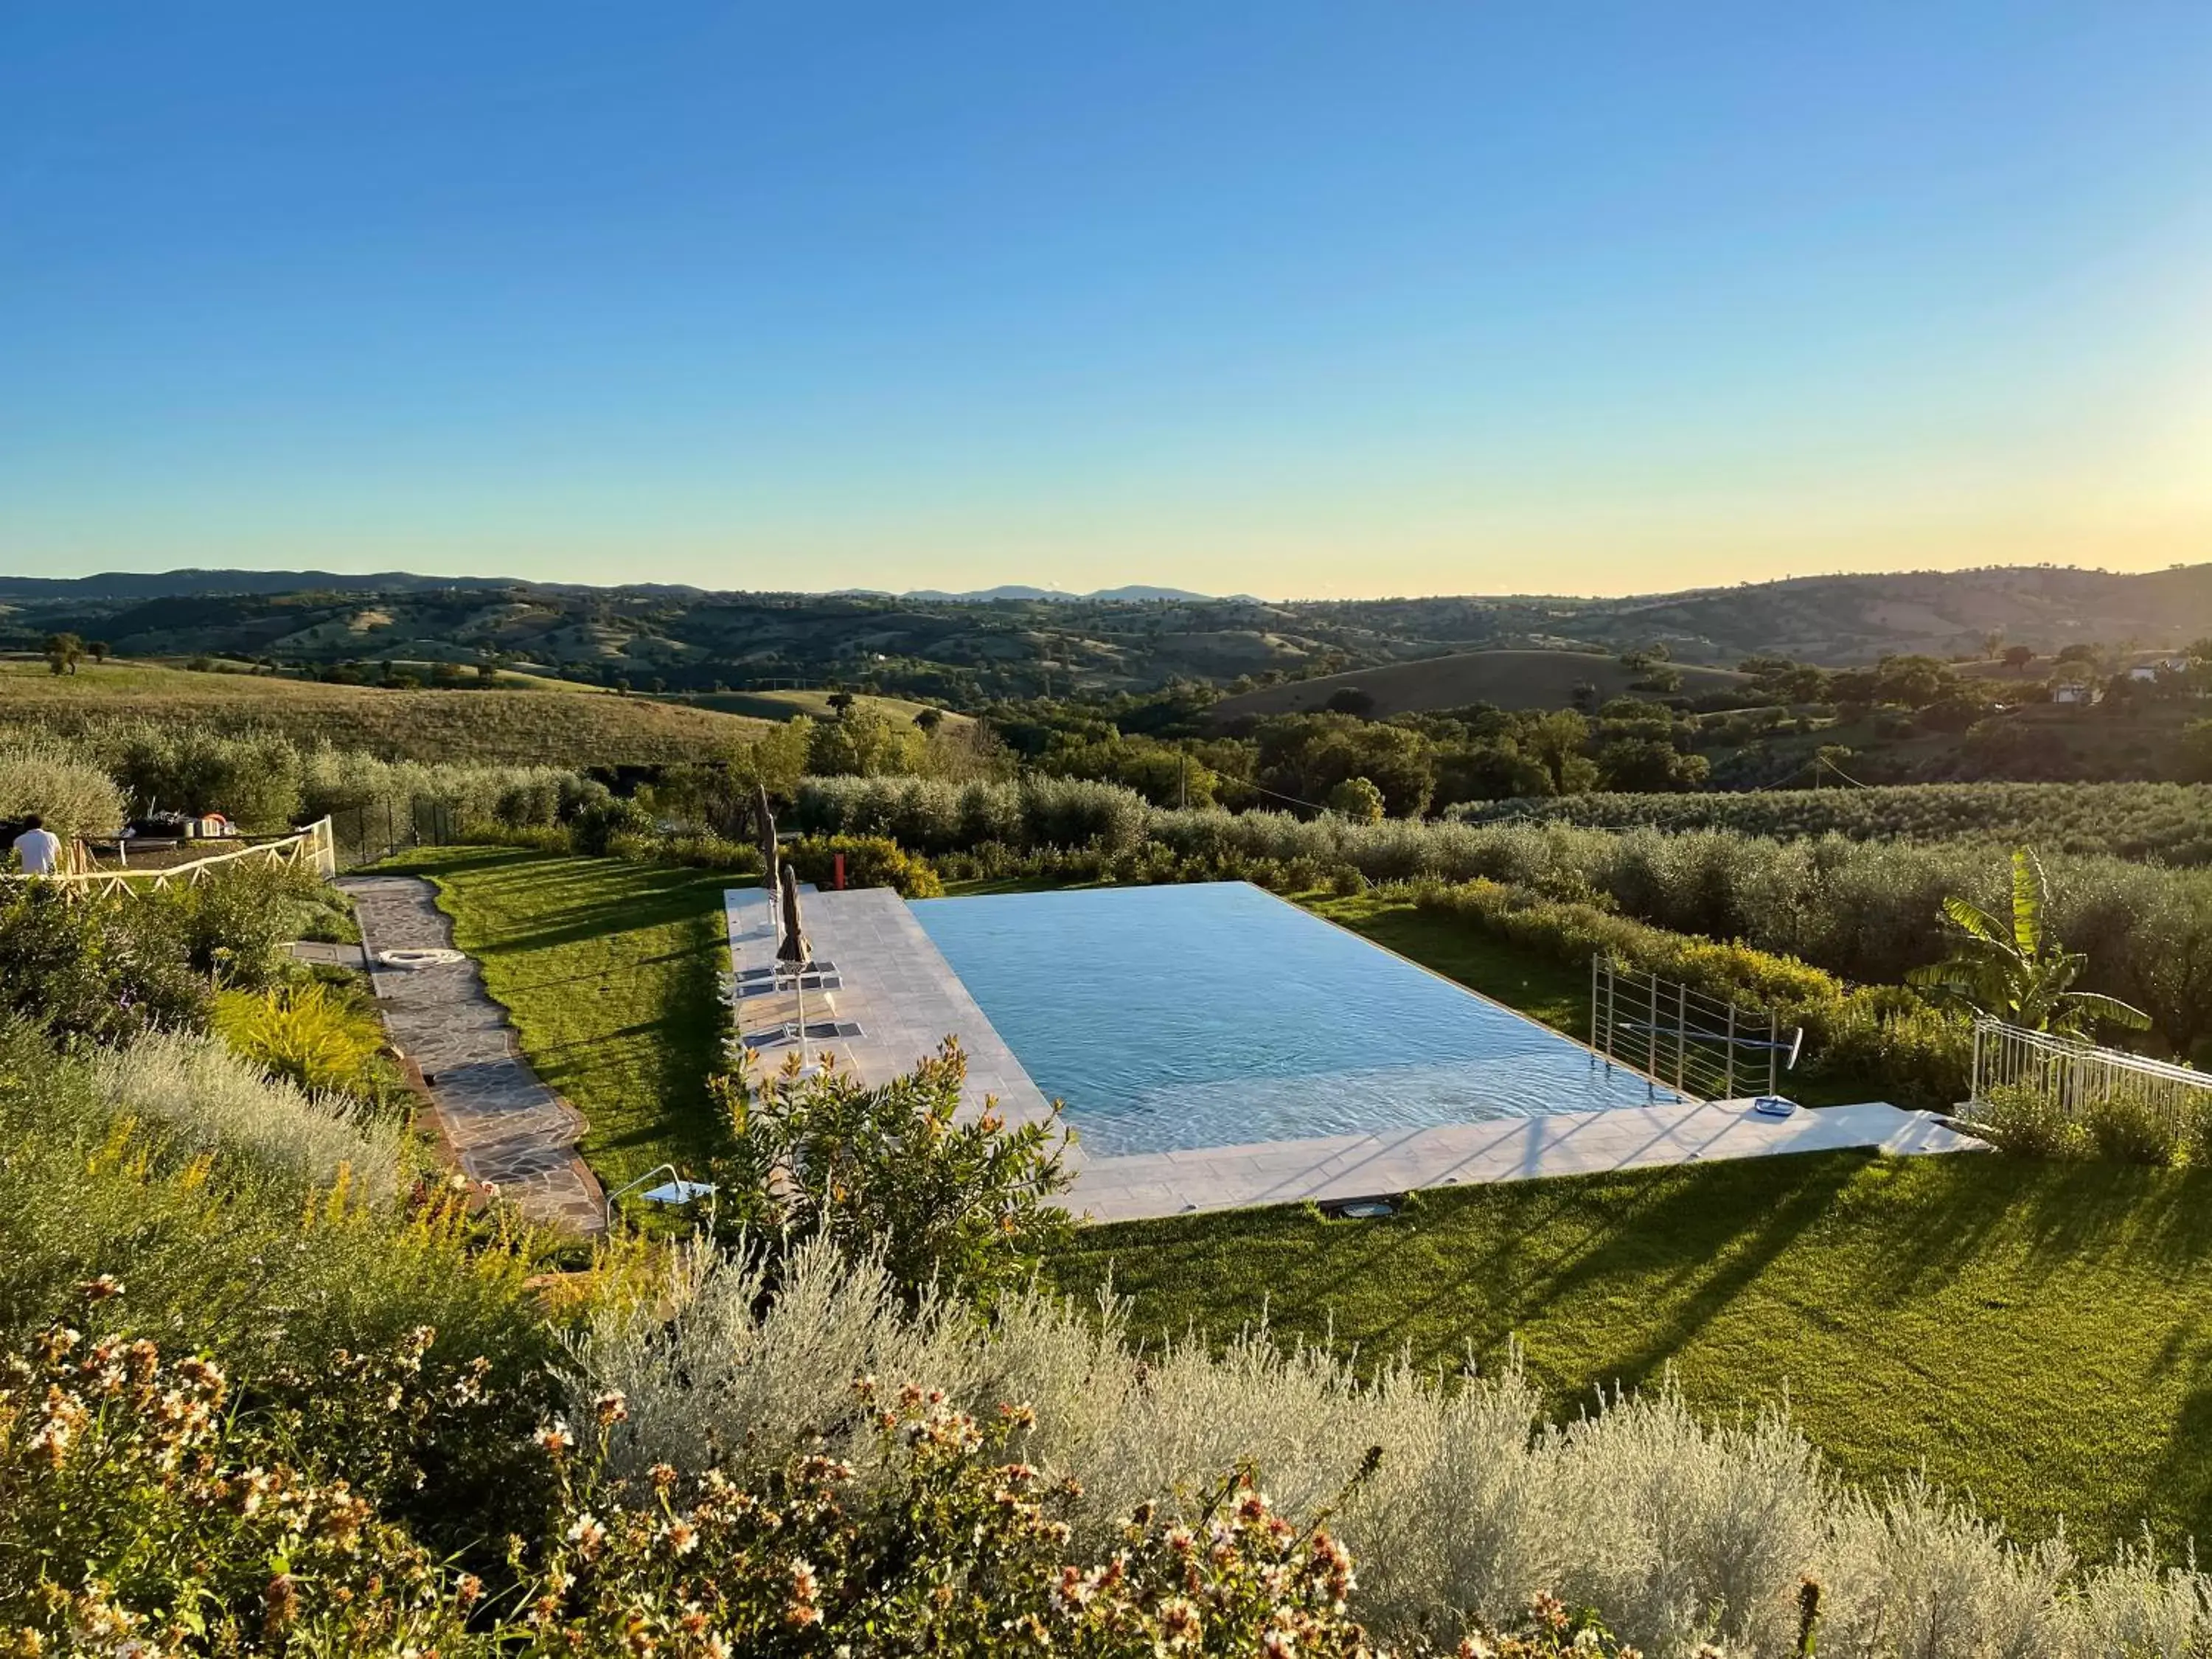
[[963, 650], [524, 727], [1830, 620], [1511, 679]]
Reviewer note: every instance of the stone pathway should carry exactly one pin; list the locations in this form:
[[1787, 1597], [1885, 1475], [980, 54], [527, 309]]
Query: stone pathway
[[504, 1126]]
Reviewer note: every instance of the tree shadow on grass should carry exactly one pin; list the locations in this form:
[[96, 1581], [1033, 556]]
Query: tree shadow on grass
[[690, 1022]]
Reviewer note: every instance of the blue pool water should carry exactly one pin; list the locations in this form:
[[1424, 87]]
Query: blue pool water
[[1217, 1014]]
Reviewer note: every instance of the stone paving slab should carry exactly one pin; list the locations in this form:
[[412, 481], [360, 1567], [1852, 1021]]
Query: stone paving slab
[[897, 987], [1336, 1168], [504, 1125], [325, 953]]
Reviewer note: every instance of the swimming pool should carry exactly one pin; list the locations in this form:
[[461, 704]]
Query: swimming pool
[[1216, 1014]]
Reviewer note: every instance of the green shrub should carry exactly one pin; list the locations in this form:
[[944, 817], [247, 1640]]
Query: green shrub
[[253, 778], [2026, 1121], [1356, 799], [2130, 1130], [595, 828], [65, 787], [110, 1166], [107, 966], [1922, 1056], [237, 919], [870, 862], [1919, 1056], [305, 1032], [1574, 931], [695, 852], [892, 1169]]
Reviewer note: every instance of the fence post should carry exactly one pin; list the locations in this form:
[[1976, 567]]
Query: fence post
[[1729, 1087], [1593, 1043], [1651, 1044], [1681, 1031]]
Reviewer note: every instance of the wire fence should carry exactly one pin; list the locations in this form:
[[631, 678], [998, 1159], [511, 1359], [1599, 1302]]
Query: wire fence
[[2081, 1080], [376, 829], [1677, 1037]]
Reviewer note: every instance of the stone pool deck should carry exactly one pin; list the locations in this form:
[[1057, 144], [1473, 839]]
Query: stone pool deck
[[896, 987], [1338, 1168]]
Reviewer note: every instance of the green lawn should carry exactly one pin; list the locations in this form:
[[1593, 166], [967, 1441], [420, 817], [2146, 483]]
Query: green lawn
[[2034, 1332], [608, 971]]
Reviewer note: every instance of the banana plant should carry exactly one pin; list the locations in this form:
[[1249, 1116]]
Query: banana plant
[[2018, 973]]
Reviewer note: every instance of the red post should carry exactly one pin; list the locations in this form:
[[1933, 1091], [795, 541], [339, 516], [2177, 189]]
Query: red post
[[838, 880]]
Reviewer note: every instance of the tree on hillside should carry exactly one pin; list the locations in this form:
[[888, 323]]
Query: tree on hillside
[[2019, 656], [1358, 799], [841, 701], [1645, 765], [929, 719], [63, 653], [1351, 700], [97, 650], [1555, 742], [2018, 972]]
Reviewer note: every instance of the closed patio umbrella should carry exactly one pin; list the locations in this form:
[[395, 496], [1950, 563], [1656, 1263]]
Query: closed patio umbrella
[[793, 954], [792, 948]]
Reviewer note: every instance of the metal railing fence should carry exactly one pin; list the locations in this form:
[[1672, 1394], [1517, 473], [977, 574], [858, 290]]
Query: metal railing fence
[[2080, 1077], [1673, 1036]]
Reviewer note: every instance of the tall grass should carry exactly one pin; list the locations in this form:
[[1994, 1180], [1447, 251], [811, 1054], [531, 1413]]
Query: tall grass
[[219, 1101], [1679, 1531]]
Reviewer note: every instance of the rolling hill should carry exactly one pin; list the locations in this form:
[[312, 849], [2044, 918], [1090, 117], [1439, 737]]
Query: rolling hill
[[523, 726], [958, 652], [1511, 679]]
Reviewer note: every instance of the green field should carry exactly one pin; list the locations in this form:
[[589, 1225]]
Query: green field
[[2035, 1334], [549, 727], [608, 970], [786, 705], [1511, 679]]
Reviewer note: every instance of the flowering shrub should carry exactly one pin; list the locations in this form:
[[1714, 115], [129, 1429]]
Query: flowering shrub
[[870, 862], [138, 1516], [105, 966], [893, 1169], [957, 1548]]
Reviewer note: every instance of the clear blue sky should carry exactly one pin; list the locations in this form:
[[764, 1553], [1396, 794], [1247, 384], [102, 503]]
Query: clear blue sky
[[1289, 298]]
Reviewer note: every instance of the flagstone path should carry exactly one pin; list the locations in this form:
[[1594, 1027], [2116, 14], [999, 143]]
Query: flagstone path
[[504, 1126]]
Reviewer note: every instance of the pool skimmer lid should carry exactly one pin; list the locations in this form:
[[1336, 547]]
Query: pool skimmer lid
[[1773, 1106]]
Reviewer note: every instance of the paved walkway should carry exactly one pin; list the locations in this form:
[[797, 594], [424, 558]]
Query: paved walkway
[[504, 1126], [1336, 1168]]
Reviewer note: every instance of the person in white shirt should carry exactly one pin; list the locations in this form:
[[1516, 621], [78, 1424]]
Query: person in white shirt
[[39, 848]]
